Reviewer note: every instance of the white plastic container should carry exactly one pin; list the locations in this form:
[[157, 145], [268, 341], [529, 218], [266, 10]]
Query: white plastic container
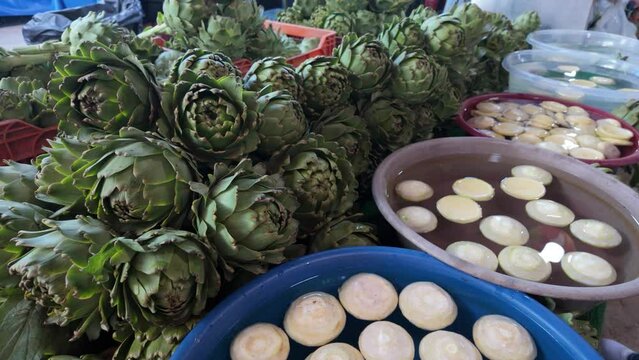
[[554, 14], [616, 46], [524, 68]]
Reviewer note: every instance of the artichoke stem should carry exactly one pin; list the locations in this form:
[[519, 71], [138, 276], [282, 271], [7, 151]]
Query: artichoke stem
[[156, 30], [8, 63], [44, 48]]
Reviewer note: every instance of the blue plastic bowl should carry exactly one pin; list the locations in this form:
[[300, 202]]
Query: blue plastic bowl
[[266, 299]]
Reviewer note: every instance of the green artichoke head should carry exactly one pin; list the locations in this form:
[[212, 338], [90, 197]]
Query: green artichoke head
[[53, 273], [527, 22], [366, 22], [276, 73], [292, 15], [414, 77], [343, 126], [389, 6], [104, 89], [391, 123], [137, 181], [345, 231], [318, 16], [16, 217], [445, 36], [21, 85], [161, 279], [213, 119], [421, 13], [14, 106], [184, 16], [202, 62], [267, 42], [347, 6], [446, 104], [17, 182], [340, 22], [164, 64], [326, 82], [367, 60], [401, 35], [282, 122], [425, 122], [307, 7], [221, 34], [247, 215], [91, 28], [57, 181], [247, 13], [321, 177]]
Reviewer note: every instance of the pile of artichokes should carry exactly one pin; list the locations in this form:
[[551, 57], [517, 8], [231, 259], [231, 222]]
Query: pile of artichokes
[[174, 177]]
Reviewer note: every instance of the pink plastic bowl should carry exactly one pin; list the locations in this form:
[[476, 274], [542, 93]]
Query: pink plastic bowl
[[629, 154]]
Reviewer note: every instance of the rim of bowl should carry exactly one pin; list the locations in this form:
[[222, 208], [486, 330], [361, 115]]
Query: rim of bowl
[[588, 173], [463, 114]]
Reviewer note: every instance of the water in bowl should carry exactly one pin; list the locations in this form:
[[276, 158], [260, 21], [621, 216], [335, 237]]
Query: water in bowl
[[560, 71], [442, 172]]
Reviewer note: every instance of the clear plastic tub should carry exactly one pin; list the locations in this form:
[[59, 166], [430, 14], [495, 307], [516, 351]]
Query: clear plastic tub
[[530, 72], [617, 46]]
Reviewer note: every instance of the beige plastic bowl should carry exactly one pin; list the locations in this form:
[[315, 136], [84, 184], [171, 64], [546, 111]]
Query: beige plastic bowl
[[611, 195]]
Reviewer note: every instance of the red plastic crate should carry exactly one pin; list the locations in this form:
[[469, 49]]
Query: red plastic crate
[[325, 47], [21, 141]]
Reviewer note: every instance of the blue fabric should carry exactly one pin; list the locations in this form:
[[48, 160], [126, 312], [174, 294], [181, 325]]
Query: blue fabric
[[30, 7]]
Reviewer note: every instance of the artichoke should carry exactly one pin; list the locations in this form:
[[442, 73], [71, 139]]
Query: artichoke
[[162, 278], [247, 13], [153, 344], [321, 177], [319, 15], [344, 232], [474, 20], [306, 7], [183, 17], [21, 85], [390, 122], [401, 35], [282, 122], [53, 273], [527, 22], [366, 22], [416, 76], [445, 36], [425, 122], [165, 63], [91, 28], [421, 13], [325, 81], [292, 15], [202, 62], [348, 6], [389, 6], [341, 23], [446, 104], [213, 119], [105, 89], [246, 215], [14, 106], [17, 182], [16, 217], [268, 42], [222, 34], [367, 60], [137, 181], [349, 130], [55, 181], [274, 72]]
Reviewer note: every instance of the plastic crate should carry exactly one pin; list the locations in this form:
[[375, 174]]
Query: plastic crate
[[325, 47], [21, 141]]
